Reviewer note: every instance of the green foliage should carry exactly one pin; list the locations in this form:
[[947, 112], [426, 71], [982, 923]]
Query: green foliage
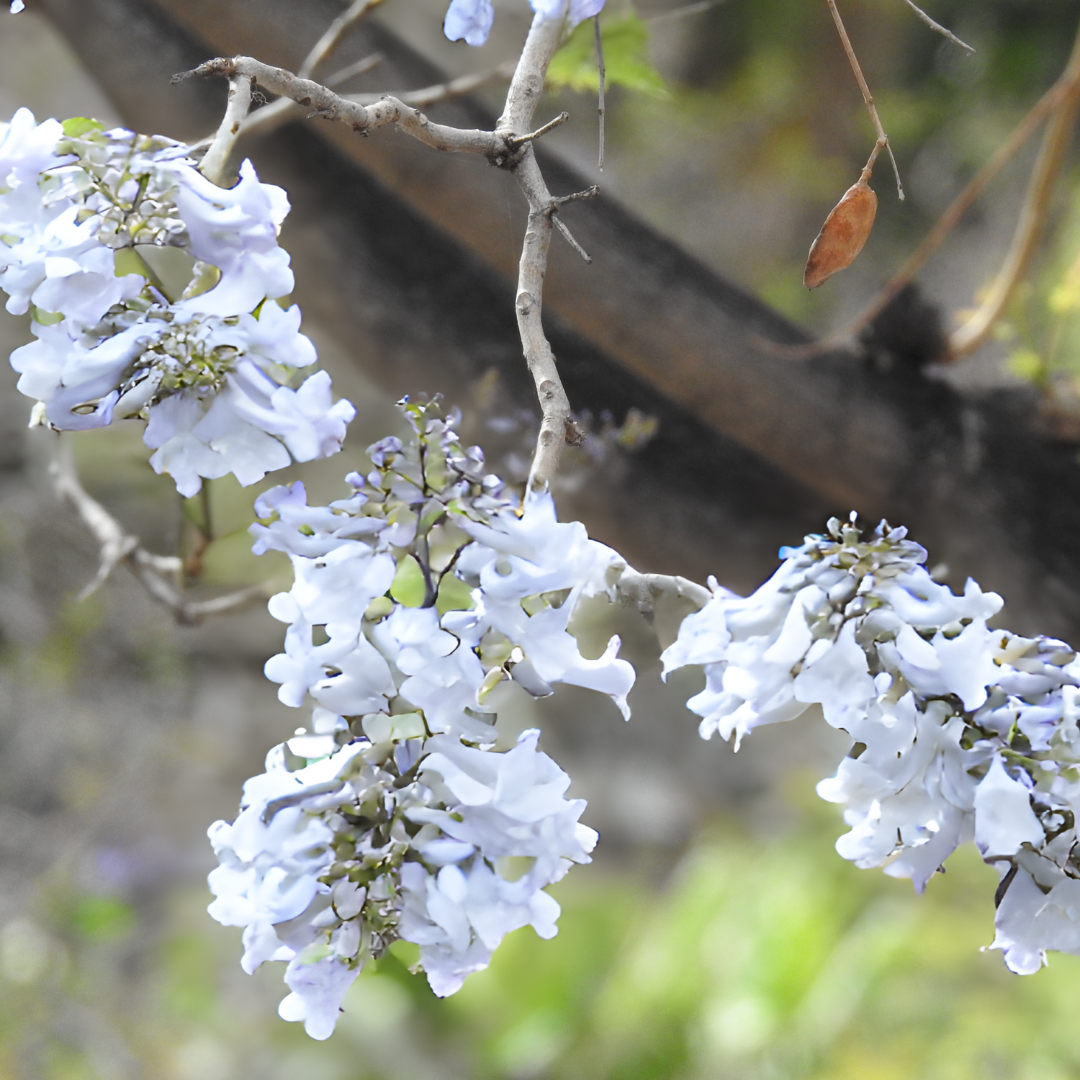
[[763, 957], [99, 918], [626, 57]]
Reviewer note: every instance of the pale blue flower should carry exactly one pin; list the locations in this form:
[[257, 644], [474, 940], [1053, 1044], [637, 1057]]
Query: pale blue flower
[[470, 20]]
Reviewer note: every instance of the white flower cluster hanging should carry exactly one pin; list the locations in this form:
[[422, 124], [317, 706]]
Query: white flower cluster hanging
[[394, 817], [154, 295], [961, 732]]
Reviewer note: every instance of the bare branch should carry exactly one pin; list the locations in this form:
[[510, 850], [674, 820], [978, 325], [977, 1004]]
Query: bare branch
[[641, 591], [284, 110], [868, 99], [160, 575], [509, 146], [569, 236], [937, 26], [361, 118], [217, 156], [334, 33]]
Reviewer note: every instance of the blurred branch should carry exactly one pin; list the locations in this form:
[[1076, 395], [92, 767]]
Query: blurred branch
[[334, 33], [937, 27], [978, 328], [160, 575]]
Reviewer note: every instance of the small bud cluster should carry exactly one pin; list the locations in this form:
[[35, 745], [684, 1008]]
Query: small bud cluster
[[394, 817], [961, 732], [154, 293]]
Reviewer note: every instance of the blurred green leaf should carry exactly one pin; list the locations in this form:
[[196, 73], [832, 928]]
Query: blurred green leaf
[[626, 57], [100, 918]]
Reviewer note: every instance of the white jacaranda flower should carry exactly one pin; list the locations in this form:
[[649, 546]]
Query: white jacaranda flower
[[196, 344], [961, 732], [17, 6], [391, 836], [510, 832], [1004, 820], [428, 589], [470, 20]]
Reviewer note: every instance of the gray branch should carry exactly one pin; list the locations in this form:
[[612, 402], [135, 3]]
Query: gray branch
[[641, 591], [160, 575], [361, 118]]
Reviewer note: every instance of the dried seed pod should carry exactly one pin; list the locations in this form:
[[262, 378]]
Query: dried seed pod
[[842, 236]]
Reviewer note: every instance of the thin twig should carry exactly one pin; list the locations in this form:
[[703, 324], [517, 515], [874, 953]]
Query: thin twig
[[868, 99], [160, 575], [978, 328], [334, 33], [216, 157], [682, 12], [561, 226], [559, 120], [602, 73], [937, 26]]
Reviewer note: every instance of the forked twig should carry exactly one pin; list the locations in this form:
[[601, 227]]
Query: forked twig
[[868, 98]]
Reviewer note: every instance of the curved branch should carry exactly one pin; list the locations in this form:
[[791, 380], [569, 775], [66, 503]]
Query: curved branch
[[361, 118], [641, 591], [978, 328]]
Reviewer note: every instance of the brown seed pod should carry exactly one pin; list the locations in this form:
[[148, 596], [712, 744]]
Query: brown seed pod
[[842, 236]]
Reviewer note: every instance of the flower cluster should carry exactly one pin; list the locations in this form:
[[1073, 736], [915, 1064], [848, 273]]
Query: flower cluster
[[470, 20], [153, 293], [394, 817], [961, 731]]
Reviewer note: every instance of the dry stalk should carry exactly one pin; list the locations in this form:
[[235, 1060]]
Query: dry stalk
[[868, 99]]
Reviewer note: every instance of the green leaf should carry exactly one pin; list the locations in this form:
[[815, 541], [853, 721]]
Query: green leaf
[[77, 126], [409, 587], [626, 58], [454, 595]]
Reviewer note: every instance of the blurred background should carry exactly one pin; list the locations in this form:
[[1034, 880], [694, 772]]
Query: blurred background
[[717, 933]]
